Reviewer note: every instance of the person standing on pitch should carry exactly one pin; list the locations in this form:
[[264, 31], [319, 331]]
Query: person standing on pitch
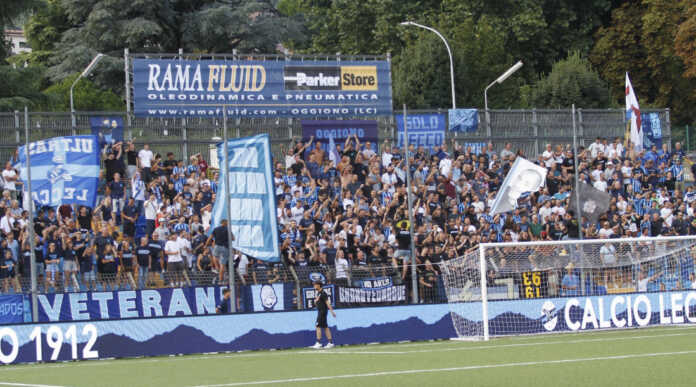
[[323, 305]]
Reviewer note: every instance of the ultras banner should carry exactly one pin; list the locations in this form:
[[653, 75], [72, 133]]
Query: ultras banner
[[176, 88]]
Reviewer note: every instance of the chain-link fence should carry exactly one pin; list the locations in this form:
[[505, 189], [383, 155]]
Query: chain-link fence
[[527, 130]]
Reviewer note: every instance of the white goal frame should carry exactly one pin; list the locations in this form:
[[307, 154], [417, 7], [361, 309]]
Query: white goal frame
[[482, 248]]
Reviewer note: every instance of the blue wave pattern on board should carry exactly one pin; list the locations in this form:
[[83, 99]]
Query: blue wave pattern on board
[[161, 336]]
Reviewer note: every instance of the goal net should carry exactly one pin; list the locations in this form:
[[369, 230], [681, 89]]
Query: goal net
[[564, 286]]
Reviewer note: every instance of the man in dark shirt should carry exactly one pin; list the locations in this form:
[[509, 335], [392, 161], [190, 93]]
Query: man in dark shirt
[[323, 304], [221, 249], [224, 306]]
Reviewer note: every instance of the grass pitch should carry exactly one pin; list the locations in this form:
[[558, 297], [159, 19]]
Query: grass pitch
[[639, 357]]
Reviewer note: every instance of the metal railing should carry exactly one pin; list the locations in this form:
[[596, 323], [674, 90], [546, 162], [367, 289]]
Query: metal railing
[[527, 130]]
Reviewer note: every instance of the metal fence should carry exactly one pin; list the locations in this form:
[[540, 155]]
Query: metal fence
[[528, 130]]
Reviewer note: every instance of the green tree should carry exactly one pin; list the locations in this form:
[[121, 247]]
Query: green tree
[[641, 41], [87, 97], [571, 81], [685, 42], [201, 26], [9, 11], [21, 87]]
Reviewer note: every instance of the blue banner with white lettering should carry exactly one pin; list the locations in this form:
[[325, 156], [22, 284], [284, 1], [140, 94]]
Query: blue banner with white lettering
[[121, 304], [426, 130], [108, 129], [249, 88], [652, 130], [463, 120], [340, 130], [14, 309], [251, 197], [64, 170]]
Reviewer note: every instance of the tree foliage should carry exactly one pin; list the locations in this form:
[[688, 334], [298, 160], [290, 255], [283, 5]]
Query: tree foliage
[[685, 42], [21, 87], [571, 81], [641, 41], [87, 97], [202, 26]]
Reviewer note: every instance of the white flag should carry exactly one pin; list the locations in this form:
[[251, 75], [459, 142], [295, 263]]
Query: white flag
[[524, 176], [633, 121]]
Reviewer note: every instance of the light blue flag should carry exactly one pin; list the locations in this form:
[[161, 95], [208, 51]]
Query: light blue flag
[[333, 153], [251, 198], [463, 120], [64, 170]]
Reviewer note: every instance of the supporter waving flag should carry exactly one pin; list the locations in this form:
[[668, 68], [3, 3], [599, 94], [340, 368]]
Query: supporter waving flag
[[633, 120]]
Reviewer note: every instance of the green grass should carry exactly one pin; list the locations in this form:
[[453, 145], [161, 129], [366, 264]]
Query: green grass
[[645, 357]]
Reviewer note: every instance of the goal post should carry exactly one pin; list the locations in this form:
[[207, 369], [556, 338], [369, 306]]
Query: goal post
[[501, 289]]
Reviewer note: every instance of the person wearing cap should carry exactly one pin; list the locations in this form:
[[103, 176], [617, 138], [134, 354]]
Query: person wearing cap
[[323, 305], [570, 284]]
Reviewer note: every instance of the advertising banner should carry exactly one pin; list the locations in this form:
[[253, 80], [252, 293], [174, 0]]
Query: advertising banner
[[251, 197], [427, 130], [31, 343], [108, 129], [128, 304], [64, 170], [652, 130], [14, 309], [339, 130], [309, 295], [269, 297], [365, 296], [586, 313], [463, 120], [248, 88]]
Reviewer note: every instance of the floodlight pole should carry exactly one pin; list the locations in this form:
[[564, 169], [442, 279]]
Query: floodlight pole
[[499, 80], [449, 52], [226, 173], [84, 73], [32, 246]]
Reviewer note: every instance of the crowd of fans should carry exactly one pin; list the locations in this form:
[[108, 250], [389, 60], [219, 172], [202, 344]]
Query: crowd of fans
[[343, 210]]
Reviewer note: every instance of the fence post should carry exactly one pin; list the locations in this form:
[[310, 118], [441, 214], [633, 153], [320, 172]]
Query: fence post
[[185, 138], [238, 123], [581, 128], [535, 127], [668, 125], [16, 117]]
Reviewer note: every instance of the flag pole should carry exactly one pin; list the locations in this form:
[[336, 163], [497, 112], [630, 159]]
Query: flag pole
[[577, 174], [32, 264], [226, 191], [409, 201]]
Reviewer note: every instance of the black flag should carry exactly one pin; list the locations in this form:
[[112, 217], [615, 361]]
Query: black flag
[[593, 202]]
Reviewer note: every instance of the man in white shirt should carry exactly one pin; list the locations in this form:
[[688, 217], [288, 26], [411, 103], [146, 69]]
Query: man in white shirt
[[9, 175], [7, 222], [600, 184], [608, 254], [145, 157], [150, 207], [596, 147], [175, 261], [341, 268], [548, 156], [184, 241]]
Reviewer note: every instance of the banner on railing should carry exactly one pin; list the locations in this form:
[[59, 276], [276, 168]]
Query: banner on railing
[[340, 130], [14, 309], [108, 129], [652, 130], [189, 301], [251, 197], [249, 88], [309, 295], [363, 296], [268, 297], [64, 170], [427, 130]]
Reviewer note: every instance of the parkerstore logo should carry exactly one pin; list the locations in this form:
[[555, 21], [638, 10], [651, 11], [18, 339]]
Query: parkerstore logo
[[347, 78]]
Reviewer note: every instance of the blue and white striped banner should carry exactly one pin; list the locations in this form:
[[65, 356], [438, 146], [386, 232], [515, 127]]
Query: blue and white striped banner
[[64, 170], [251, 198]]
